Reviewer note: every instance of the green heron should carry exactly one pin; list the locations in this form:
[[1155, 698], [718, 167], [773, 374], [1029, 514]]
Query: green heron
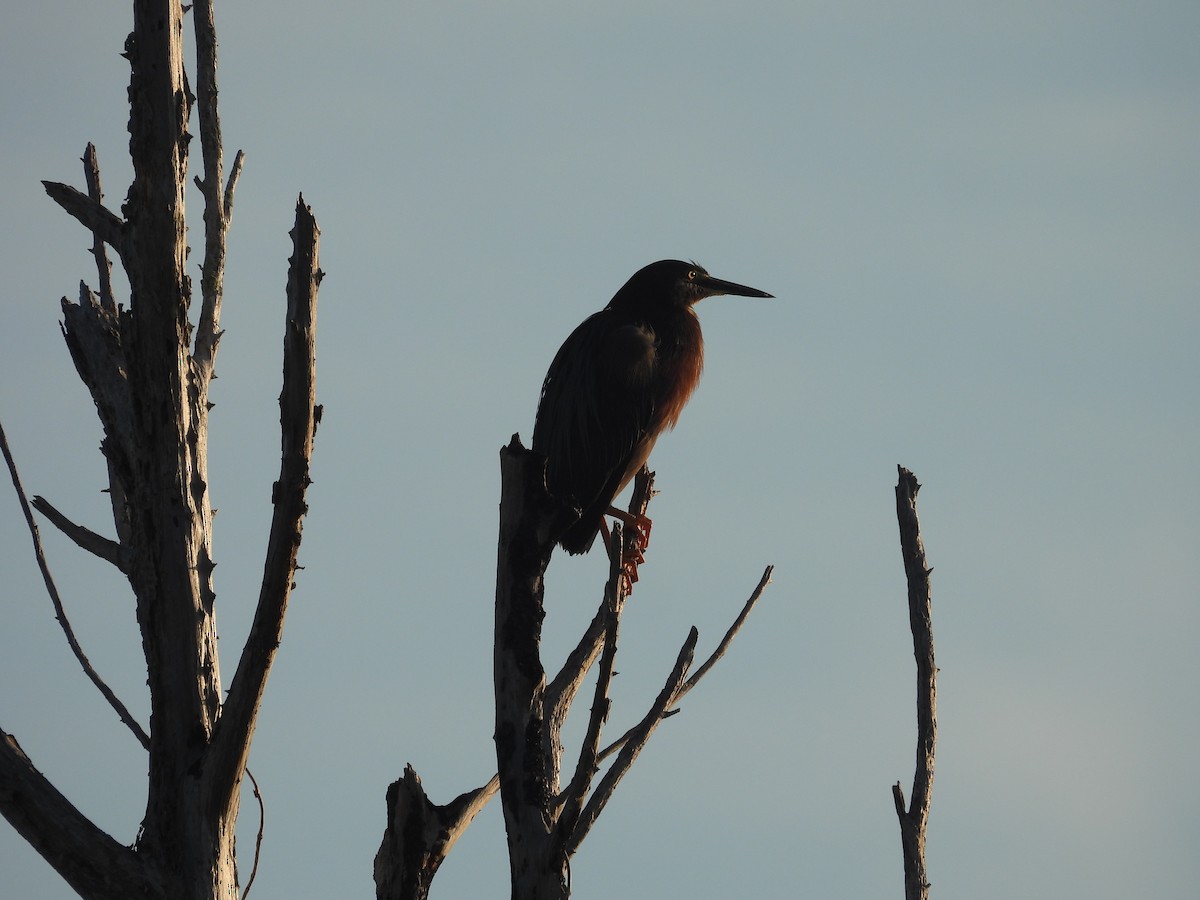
[[619, 381]]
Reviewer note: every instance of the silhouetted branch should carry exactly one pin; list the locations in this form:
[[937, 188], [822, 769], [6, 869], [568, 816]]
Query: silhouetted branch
[[633, 746], [708, 663], [262, 823], [106, 225], [420, 834], [615, 593], [92, 330], [560, 693], [915, 819], [730, 634], [91, 175], [59, 613], [298, 411], [91, 861], [218, 197], [85, 538]]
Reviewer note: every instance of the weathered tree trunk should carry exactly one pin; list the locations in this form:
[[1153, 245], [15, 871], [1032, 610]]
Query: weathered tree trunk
[[165, 475], [150, 385], [914, 819], [528, 762]]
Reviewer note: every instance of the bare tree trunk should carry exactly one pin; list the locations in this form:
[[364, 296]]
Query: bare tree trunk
[[150, 385], [915, 819], [166, 485], [527, 761]]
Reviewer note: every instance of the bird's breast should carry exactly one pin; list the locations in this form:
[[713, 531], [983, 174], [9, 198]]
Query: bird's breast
[[680, 360]]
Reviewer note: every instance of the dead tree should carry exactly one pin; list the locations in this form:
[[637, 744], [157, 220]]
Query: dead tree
[[546, 820], [149, 368], [915, 819]]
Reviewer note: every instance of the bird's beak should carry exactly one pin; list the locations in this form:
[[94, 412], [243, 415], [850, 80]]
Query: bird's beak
[[714, 286]]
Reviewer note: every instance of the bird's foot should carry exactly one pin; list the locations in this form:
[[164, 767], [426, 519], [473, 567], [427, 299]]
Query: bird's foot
[[631, 555], [629, 571], [641, 526]]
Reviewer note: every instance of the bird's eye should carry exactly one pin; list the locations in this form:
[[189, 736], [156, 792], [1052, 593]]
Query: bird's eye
[[692, 275]]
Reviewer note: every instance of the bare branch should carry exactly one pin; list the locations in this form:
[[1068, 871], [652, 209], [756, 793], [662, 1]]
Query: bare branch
[[235, 173], [92, 330], [85, 538], [420, 834], [560, 693], [730, 634], [915, 819], [93, 215], [91, 175], [585, 768], [231, 739], [637, 741], [216, 216], [91, 861], [262, 822], [59, 613], [708, 664]]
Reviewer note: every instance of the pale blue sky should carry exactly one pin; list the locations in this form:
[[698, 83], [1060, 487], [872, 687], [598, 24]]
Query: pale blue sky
[[981, 225]]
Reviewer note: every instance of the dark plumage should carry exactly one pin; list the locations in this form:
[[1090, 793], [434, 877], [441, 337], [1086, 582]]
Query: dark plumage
[[620, 380]]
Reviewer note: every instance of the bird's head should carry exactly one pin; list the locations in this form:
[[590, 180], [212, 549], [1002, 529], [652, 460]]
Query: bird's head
[[675, 283]]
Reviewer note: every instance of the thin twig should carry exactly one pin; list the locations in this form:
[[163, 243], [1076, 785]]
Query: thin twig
[[585, 768], [629, 753], [730, 634], [708, 663], [59, 613], [91, 175], [914, 820], [262, 821], [560, 693]]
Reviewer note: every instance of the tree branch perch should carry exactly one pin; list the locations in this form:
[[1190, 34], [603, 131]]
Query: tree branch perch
[[915, 819]]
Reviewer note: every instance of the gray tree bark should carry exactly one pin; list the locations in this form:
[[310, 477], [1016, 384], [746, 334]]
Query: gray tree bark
[[150, 383]]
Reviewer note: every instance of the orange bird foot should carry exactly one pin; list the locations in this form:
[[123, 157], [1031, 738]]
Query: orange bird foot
[[641, 526]]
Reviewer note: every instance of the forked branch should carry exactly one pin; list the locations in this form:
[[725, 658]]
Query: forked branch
[[420, 834], [634, 745], [708, 663], [915, 819], [615, 594]]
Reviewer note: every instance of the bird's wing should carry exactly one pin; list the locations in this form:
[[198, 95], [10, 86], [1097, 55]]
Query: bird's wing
[[596, 408]]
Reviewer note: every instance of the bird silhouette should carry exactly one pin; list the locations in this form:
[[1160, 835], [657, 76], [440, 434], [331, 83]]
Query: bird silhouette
[[619, 381]]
